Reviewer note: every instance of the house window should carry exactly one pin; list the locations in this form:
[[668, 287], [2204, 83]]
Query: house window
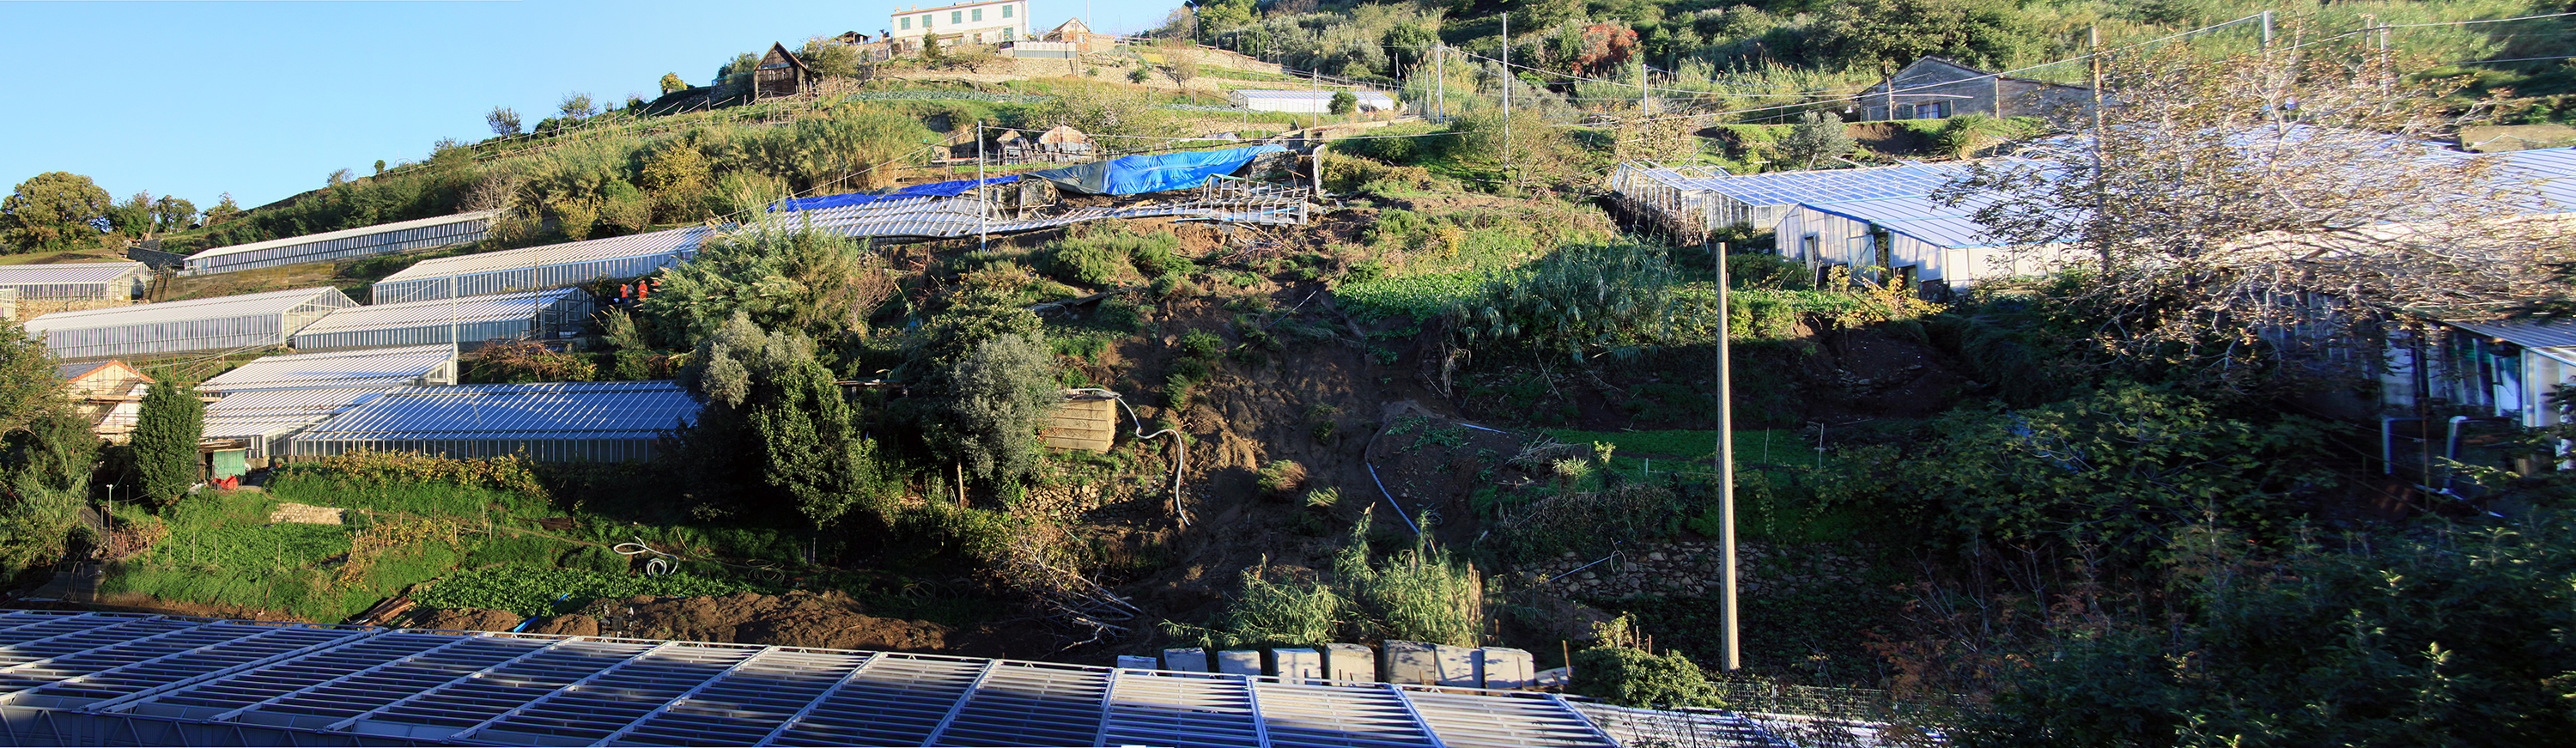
[[1006, 11], [907, 23], [1904, 111], [925, 20], [1006, 33], [1933, 110], [979, 14], [956, 16]]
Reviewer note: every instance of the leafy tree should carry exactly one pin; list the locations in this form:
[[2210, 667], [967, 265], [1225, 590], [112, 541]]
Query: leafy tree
[[783, 277], [930, 46], [577, 106], [2209, 209], [1180, 69], [2443, 634], [1817, 137], [2115, 471], [166, 432], [671, 83], [1607, 49], [1408, 42], [1343, 104], [988, 405], [132, 217], [829, 58], [1634, 677], [736, 75], [224, 210], [504, 121], [54, 454], [50, 210], [28, 387], [777, 435], [1532, 15], [1104, 110], [1881, 34]]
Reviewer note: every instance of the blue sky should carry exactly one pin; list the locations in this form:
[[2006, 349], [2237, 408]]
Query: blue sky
[[266, 99]]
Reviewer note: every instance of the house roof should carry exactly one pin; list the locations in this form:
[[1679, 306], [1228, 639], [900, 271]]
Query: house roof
[[632, 245], [553, 410], [74, 371], [2528, 333], [1919, 217], [181, 678], [1973, 73], [345, 233], [778, 50], [66, 273], [387, 367], [272, 302], [1827, 185], [466, 310]]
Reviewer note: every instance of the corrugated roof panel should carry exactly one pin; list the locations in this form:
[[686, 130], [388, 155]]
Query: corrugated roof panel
[[1832, 185], [345, 233], [226, 682], [271, 302], [492, 308], [548, 410], [386, 367], [254, 413], [2526, 333], [633, 245], [66, 273]]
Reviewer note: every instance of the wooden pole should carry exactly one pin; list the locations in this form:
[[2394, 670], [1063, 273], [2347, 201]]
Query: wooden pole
[[1726, 460]]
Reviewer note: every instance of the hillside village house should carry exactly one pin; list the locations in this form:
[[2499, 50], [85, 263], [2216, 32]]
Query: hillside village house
[[964, 23], [106, 394], [1933, 88], [1075, 32], [780, 73]]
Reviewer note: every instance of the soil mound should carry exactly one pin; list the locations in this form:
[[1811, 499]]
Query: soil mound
[[465, 619], [795, 619]]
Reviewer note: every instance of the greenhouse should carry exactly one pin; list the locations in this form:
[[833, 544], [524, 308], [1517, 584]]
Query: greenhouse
[[1713, 199], [265, 419], [552, 266], [468, 322], [223, 323], [411, 366], [552, 422], [344, 244], [82, 281], [85, 678], [1921, 240]]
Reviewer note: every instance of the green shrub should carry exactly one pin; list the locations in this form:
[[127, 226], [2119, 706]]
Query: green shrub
[[1202, 344], [1282, 476], [1632, 677], [536, 591], [1088, 263]]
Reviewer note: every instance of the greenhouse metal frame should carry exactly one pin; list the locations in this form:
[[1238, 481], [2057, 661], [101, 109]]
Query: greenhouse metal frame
[[466, 322], [138, 679], [267, 419], [534, 268], [79, 281], [223, 323], [410, 366], [546, 422], [364, 241]]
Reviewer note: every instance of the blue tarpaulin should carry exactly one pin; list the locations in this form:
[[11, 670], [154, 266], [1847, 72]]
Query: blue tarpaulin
[[1152, 173], [934, 189]]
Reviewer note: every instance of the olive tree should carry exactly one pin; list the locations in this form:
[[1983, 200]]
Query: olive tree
[[50, 210], [2222, 197]]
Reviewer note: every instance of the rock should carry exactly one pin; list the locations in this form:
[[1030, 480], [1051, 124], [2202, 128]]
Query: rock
[[1588, 576]]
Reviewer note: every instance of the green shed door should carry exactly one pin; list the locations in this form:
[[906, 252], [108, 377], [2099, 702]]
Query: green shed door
[[230, 462]]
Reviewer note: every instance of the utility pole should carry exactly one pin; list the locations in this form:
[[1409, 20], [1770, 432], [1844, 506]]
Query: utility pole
[[983, 206], [2093, 41], [1507, 92], [2267, 31], [1440, 74], [1726, 462]]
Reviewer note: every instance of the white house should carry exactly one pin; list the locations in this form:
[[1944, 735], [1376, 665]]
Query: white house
[[1307, 102], [994, 22]]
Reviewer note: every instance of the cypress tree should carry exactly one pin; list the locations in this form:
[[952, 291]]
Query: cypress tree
[[165, 441]]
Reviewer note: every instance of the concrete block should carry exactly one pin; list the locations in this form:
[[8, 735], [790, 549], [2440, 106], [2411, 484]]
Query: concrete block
[[1457, 667], [1508, 668], [1409, 662], [1139, 662], [1239, 662], [1352, 663], [1296, 665], [1186, 659]]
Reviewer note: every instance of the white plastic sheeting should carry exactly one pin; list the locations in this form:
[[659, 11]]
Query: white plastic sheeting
[[551, 266], [217, 324], [469, 321], [553, 422], [78, 280], [343, 244], [382, 367]]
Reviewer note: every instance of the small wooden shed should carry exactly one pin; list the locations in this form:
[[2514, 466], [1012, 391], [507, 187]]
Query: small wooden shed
[[1064, 139], [780, 73], [1087, 420]]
